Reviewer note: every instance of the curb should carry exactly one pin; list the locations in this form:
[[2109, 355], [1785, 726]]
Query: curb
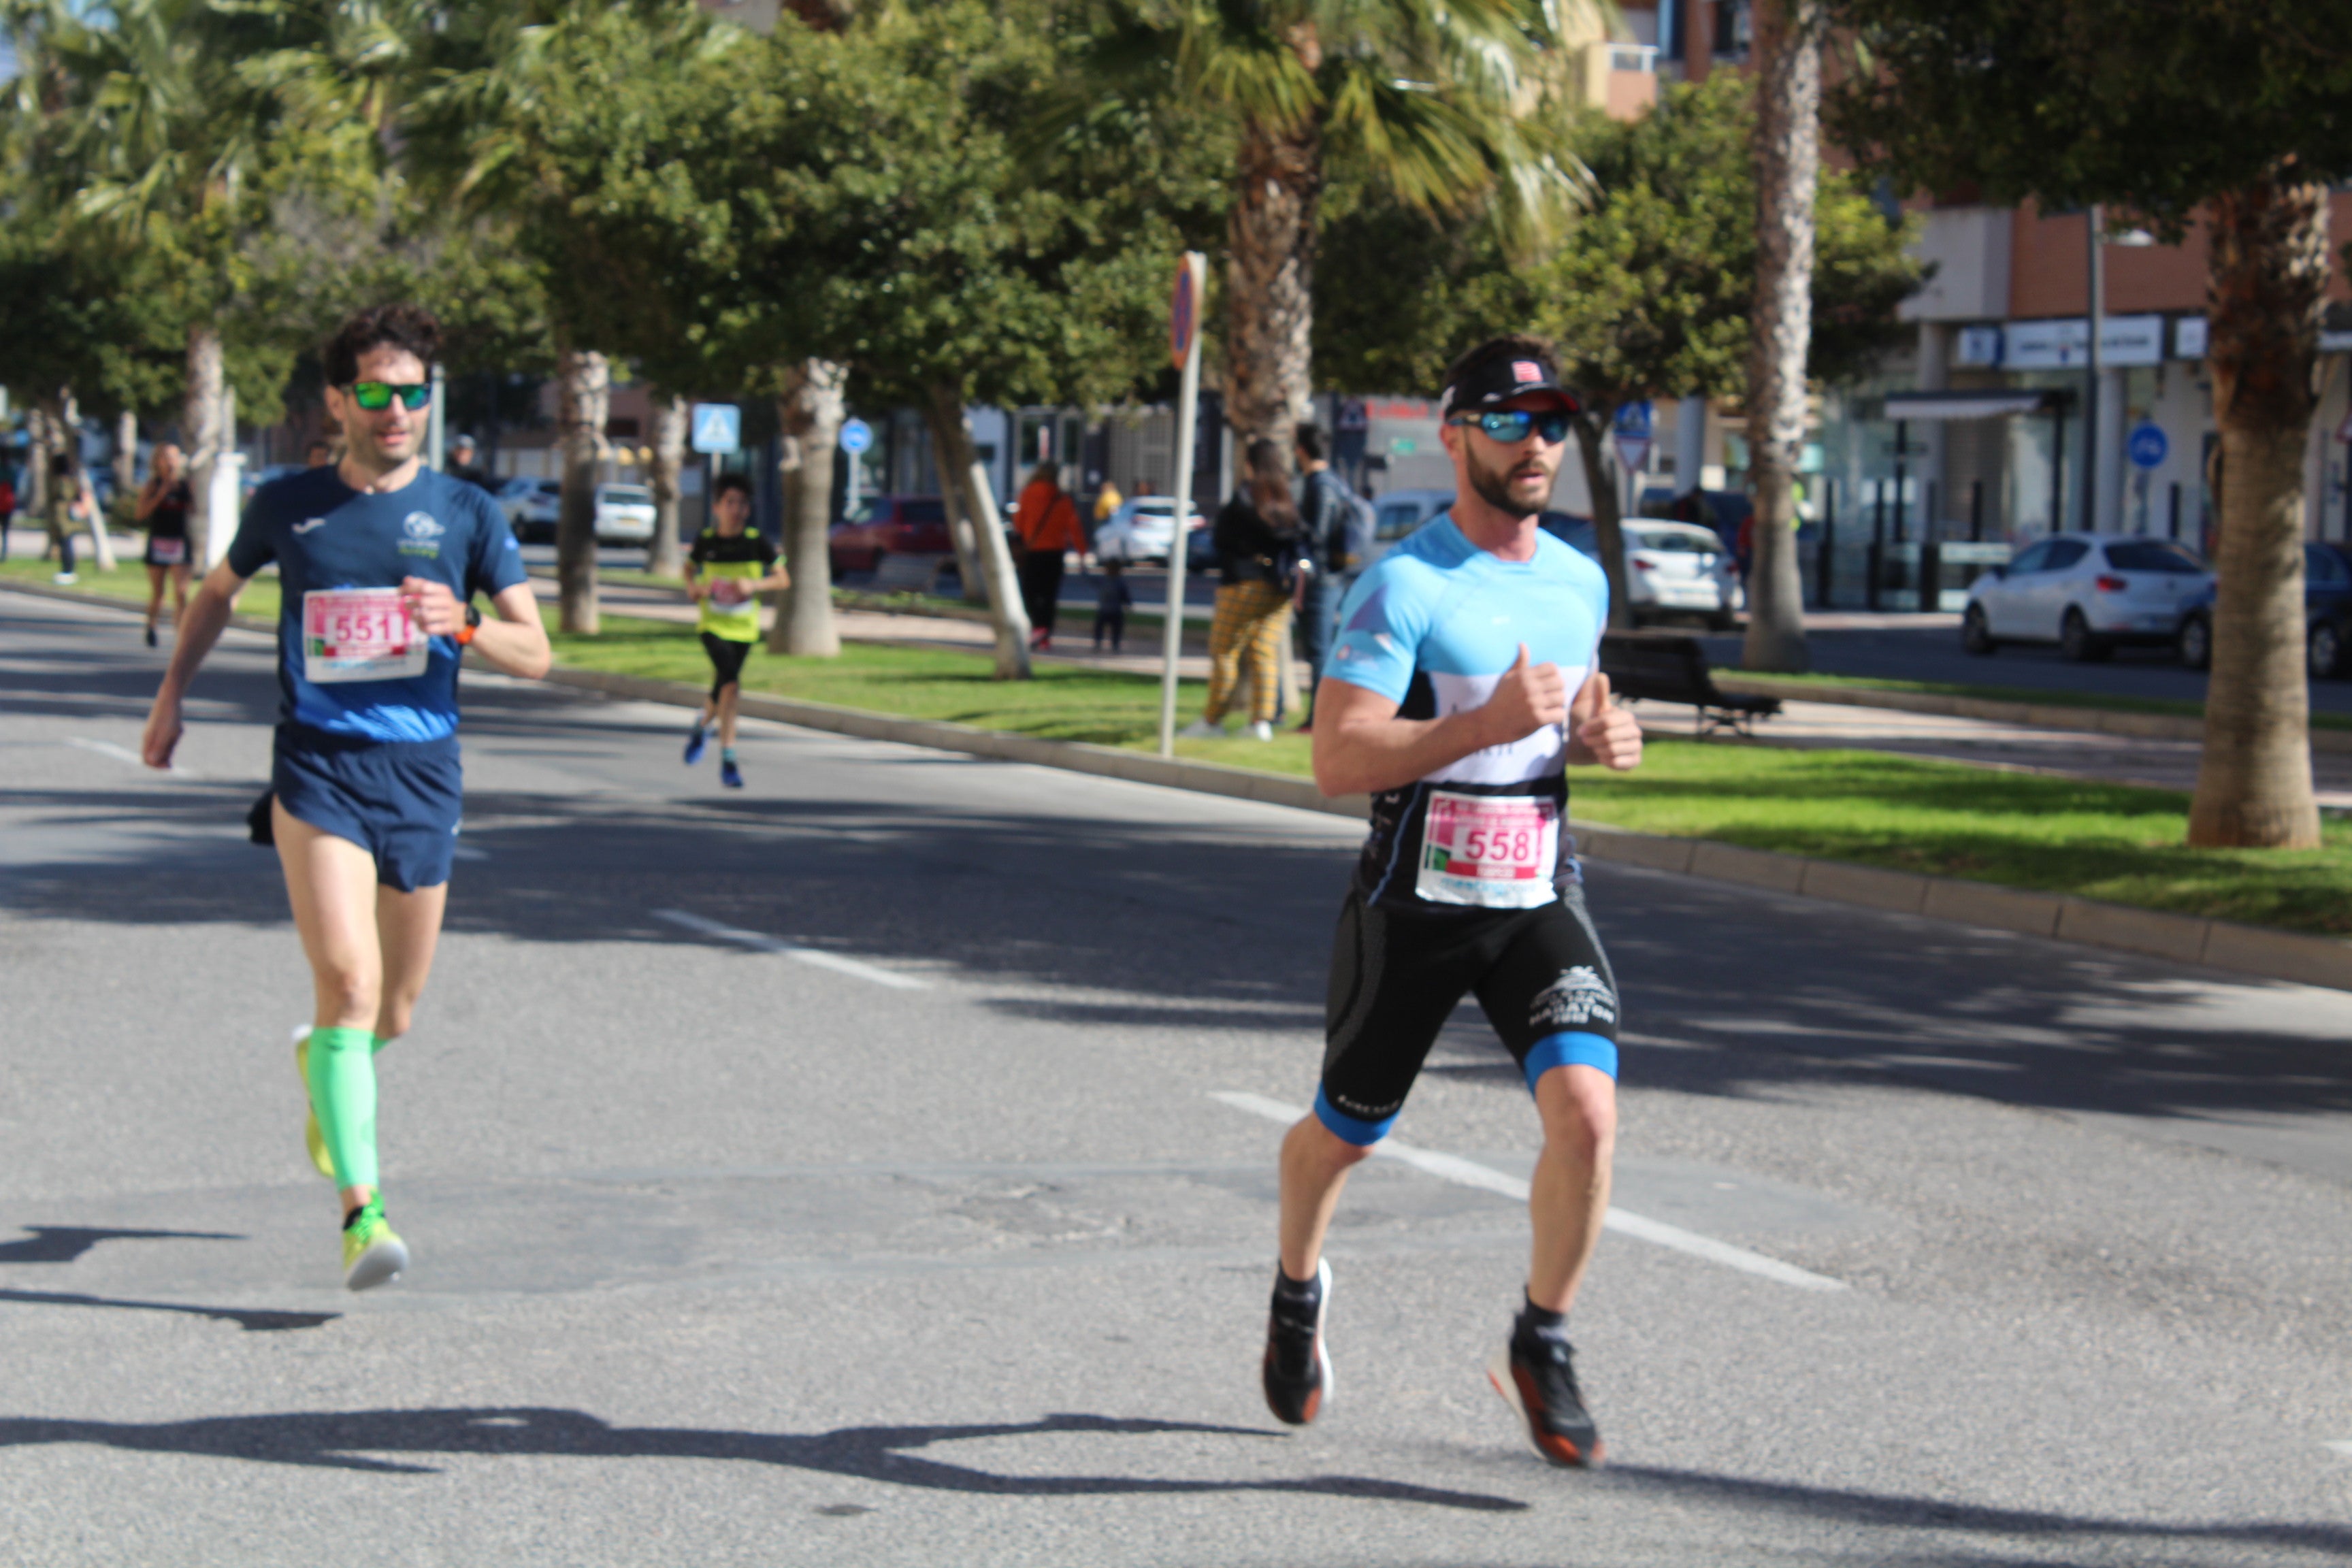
[[2030, 715], [2085, 922]]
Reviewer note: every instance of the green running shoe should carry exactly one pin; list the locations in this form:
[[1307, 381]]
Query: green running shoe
[[312, 1139], [372, 1255]]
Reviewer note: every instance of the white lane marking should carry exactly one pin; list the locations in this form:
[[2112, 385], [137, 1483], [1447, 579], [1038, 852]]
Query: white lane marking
[[817, 956], [468, 852], [1470, 1174], [125, 755], [2338, 1445]]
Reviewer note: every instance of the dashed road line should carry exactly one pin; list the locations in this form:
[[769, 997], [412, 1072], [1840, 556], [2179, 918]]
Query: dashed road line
[[1470, 1174], [125, 755], [816, 956]]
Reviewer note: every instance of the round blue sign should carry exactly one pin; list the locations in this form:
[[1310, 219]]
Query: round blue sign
[[855, 436], [2146, 445]]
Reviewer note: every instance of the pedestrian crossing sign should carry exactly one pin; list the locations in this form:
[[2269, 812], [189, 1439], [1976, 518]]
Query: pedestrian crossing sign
[[717, 428]]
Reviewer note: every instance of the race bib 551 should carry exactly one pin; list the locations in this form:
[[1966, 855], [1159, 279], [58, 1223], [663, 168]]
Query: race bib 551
[[361, 634]]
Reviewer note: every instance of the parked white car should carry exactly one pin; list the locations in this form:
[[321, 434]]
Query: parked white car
[[1141, 529], [1400, 514], [2088, 592], [624, 514], [1678, 568]]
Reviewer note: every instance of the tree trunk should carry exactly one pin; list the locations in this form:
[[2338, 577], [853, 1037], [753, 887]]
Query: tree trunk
[[2267, 285], [810, 408], [126, 453], [963, 532], [584, 400], [663, 556], [200, 433], [968, 493], [1787, 150], [1608, 518], [1269, 283]]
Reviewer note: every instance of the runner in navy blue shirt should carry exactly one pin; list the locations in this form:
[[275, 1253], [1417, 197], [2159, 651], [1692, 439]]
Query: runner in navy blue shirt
[[1463, 679], [379, 560]]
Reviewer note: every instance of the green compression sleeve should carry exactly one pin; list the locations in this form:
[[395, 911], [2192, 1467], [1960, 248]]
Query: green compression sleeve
[[342, 1092]]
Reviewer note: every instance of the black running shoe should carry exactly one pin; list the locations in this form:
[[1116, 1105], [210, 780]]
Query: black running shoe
[[1297, 1365], [1536, 1376]]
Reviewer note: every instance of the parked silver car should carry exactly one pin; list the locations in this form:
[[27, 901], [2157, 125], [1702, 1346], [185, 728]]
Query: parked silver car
[[1139, 531], [2088, 592], [1400, 514], [532, 507], [1679, 568], [624, 514]]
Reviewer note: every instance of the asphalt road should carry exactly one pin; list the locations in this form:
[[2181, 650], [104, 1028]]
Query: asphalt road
[[906, 1225]]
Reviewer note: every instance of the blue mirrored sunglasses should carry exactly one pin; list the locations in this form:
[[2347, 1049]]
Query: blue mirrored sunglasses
[[1509, 425]]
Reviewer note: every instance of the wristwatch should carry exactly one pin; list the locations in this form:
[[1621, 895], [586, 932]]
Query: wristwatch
[[473, 623]]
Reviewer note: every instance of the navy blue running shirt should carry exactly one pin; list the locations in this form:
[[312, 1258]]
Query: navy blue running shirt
[[323, 534], [1432, 627]]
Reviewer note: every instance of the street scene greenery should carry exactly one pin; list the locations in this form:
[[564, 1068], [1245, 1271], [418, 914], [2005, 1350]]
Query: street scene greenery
[[943, 203]]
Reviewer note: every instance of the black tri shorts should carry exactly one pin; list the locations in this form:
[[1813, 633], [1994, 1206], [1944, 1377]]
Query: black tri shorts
[[1398, 973], [726, 656]]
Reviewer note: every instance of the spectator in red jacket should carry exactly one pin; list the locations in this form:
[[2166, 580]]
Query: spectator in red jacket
[[1047, 521]]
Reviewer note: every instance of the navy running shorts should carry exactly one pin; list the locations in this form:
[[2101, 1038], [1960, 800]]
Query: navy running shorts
[[1398, 973], [398, 800]]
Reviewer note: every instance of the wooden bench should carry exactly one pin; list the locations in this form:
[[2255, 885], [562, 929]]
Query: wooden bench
[[1674, 670]]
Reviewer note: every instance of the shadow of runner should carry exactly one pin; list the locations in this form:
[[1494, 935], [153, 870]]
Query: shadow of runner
[[344, 1441], [252, 1320], [65, 1243]]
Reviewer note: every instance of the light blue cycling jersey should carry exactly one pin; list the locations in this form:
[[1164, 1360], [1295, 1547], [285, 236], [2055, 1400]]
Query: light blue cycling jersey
[[1432, 627]]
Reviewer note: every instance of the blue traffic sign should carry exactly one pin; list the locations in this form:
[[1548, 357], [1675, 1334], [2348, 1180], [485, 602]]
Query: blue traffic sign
[[2146, 445], [855, 436], [717, 428], [1634, 421]]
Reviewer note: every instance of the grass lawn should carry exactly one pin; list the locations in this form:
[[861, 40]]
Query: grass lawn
[[2035, 695], [129, 581], [2114, 842]]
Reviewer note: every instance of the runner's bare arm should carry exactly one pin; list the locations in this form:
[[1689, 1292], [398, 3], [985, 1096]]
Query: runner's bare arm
[[515, 643], [208, 613], [694, 588], [1361, 746]]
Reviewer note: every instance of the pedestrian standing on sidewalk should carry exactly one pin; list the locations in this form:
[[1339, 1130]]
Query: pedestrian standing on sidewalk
[[1329, 527], [730, 566], [68, 502], [1047, 522], [163, 502], [1112, 597], [1256, 537]]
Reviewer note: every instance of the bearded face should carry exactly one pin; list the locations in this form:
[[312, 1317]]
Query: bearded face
[[1515, 480]]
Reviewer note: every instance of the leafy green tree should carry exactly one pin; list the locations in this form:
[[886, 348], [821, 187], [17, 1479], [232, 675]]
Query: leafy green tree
[[2227, 117], [1648, 296], [1429, 100]]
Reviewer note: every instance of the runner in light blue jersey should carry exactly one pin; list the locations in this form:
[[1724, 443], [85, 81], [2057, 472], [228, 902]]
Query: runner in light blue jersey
[[1464, 683]]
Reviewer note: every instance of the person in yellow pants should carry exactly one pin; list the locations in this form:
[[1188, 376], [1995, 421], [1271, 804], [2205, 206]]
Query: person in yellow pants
[[1255, 534], [730, 566]]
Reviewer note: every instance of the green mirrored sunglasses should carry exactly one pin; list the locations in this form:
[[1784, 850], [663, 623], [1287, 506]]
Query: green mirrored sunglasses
[[374, 396]]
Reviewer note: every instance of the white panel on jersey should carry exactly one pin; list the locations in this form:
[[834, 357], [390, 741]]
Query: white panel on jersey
[[1522, 761]]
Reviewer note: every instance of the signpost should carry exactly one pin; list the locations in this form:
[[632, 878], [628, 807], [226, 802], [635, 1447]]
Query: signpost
[[856, 436], [715, 429], [2146, 445], [1185, 349], [1632, 431]]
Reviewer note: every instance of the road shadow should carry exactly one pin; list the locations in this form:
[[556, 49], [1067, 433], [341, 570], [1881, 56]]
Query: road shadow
[[348, 1440], [1880, 1511], [65, 1243], [252, 1320]]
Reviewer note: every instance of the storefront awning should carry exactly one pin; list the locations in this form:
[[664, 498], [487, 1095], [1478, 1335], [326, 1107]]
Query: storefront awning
[[1991, 404]]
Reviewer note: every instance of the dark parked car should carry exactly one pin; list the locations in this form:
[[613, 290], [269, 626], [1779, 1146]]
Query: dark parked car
[[2326, 614], [889, 525]]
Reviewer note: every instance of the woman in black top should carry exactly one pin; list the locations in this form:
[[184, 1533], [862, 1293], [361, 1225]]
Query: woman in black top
[[163, 502]]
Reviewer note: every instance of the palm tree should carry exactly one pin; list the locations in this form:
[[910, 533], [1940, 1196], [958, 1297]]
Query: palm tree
[[1435, 99], [1788, 35], [141, 131]]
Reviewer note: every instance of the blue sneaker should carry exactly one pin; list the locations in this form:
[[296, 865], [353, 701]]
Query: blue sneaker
[[729, 774], [695, 742]]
